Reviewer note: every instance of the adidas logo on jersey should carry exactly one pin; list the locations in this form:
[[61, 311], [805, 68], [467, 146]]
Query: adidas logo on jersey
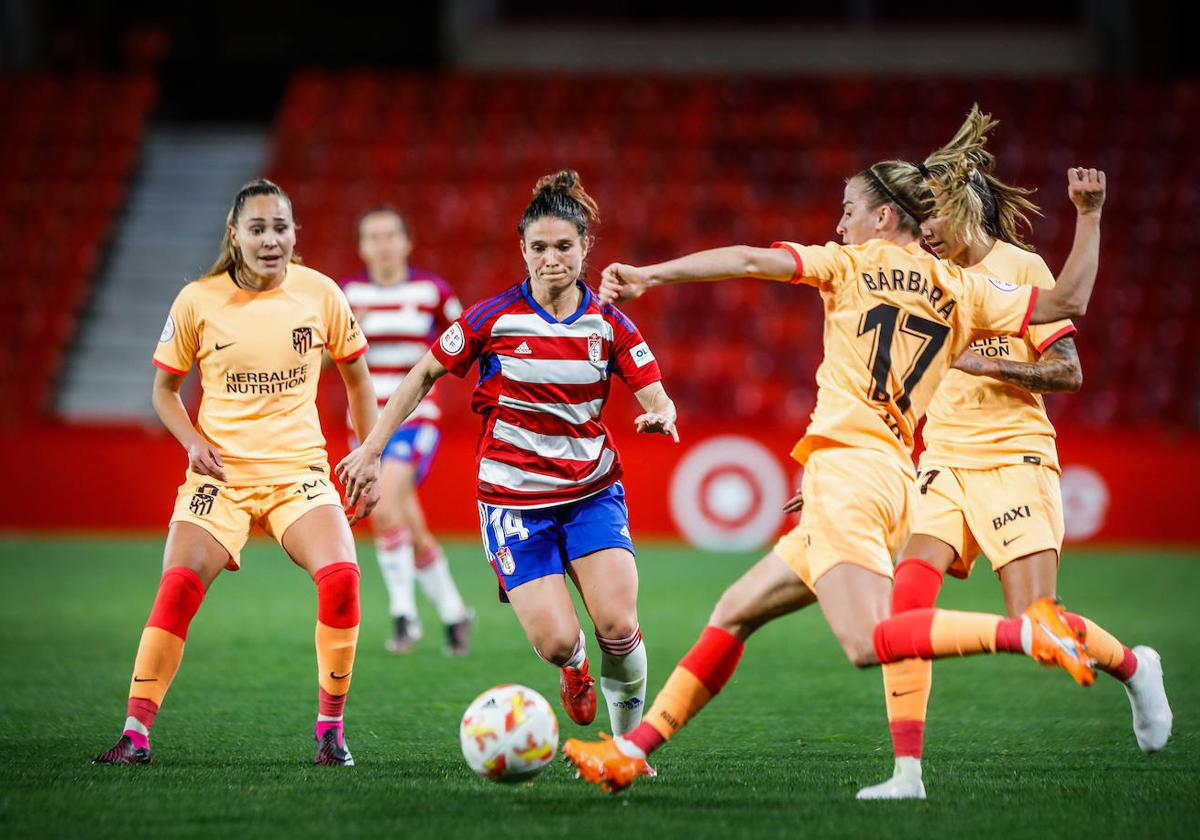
[[523, 349]]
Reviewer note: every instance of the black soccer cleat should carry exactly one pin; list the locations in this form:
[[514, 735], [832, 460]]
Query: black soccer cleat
[[124, 753], [332, 754], [458, 635], [406, 633]]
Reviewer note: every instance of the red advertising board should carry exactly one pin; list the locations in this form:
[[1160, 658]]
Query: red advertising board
[[719, 487]]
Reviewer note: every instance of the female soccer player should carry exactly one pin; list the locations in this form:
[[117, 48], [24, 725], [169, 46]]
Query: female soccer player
[[550, 500], [895, 319], [988, 478], [257, 324], [402, 310]]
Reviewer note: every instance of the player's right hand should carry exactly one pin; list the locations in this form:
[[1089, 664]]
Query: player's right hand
[[1086, 188], [359, 474], [621, 282], [203, 458]]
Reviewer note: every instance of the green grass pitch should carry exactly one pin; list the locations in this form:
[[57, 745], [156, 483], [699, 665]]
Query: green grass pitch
[[1012, 749]]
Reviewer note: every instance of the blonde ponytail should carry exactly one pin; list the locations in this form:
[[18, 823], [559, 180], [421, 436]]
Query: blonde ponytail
[[973, 203]]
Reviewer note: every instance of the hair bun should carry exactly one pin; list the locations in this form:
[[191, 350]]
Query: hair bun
[[564, 181]]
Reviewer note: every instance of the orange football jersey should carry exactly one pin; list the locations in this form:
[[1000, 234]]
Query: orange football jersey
[[260, 358], [896, 318], [976, 422]]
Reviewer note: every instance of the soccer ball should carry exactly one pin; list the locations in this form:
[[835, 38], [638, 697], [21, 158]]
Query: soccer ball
[[509, 734]]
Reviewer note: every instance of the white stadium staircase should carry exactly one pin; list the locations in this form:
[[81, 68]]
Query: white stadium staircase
[[168, 233]]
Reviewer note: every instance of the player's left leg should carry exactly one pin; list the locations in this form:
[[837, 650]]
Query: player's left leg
[[320, 542], [608, 582], [907, 684], [768, 590], [1034, 576], [1042, 632], [598, 544]]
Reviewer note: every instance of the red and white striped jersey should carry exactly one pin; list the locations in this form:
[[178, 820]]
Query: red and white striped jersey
[[542, 386], [400, 322]]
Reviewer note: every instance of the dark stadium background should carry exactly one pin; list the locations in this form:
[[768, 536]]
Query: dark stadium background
[[125, 129]]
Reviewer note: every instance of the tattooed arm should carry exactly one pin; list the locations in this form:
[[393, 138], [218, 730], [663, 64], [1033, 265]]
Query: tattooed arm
[[1056, 371]]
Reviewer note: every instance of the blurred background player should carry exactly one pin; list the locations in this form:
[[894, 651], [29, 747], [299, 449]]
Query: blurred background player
[[895, 320], [257, 324], [551, 502], [989, 474], [402, 310]]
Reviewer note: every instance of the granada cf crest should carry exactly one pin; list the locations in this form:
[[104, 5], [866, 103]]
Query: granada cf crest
[[302, 339], [594, 347], [202, 499], [504, 557]]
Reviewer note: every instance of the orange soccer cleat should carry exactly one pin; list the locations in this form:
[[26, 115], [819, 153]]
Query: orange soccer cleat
[[602, 763], [577, 691], [1054, 642]]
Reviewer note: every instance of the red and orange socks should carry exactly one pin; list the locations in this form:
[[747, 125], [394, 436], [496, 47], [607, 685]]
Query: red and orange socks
[[907, 683], [161, 649], [337, 640], [696, 680], [934, 634], [1111, 656]]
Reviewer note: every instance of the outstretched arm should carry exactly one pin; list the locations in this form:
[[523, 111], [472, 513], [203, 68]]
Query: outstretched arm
[[660, 413], [359, 471], [621, 282], [1071, 293], [1058, 370]]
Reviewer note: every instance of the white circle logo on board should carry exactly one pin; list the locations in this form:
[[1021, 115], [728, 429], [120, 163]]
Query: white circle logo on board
[[168, 331], [453, 339], [727, 494], [1085, 502]]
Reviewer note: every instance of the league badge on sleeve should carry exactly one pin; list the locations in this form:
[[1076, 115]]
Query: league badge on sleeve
[[168, 331], [641, 354], [453, 340]]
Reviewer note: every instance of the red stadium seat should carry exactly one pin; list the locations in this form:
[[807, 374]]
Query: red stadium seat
[[66, 151]]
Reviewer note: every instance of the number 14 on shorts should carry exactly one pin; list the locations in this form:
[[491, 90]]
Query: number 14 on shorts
[[505, 524]]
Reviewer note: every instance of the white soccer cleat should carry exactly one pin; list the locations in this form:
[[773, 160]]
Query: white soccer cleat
[[1148, 699], [905, 783]]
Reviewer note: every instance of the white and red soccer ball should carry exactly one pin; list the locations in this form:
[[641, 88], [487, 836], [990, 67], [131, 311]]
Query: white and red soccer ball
[[509, 734]]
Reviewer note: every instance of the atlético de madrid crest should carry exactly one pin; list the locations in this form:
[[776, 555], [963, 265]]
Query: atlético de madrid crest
[[302, 339]]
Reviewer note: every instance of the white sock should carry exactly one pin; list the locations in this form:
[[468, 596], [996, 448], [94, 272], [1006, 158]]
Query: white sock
[[623, 680], [906, 766], [395, 555], [132, 724], [1026, 635], [439, 587]]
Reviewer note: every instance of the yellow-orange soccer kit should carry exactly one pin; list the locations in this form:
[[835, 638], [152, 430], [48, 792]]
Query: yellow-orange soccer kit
[[260, 359], [989, 473], [895, 320]]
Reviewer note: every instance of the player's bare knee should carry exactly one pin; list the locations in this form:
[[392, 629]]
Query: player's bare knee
[[730, 615], [556, 651], [860, 650], [616, 627]]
